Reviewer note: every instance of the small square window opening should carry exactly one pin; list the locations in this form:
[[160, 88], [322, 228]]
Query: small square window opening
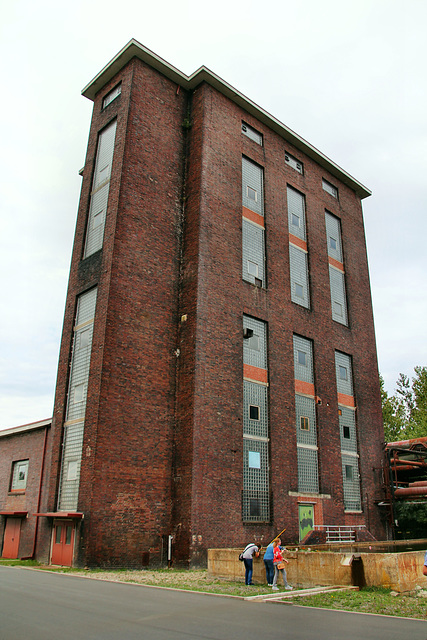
[[343, 372], [349, 472], [299, 290], [332, 243], [304, 423], [254, 460], [295, 220], [252, 194], [346, 432], [253, 343], [253, 412], [302, 358], [253, 268]]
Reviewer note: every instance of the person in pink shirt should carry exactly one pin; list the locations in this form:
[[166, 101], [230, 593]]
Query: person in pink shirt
[[279, 561]]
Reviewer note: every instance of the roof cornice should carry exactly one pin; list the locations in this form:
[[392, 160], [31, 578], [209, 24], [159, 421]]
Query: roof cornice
[[134, 49]]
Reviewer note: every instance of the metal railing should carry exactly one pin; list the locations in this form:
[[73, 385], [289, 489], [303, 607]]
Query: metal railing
[[337, 533]]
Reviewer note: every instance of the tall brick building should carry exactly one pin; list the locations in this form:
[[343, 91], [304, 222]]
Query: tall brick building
[[217, 377]]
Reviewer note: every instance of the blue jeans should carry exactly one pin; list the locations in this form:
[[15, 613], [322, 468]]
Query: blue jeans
[[269, 570], [248, 570]]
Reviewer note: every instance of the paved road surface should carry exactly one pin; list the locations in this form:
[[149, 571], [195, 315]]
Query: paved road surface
[[35, 605]]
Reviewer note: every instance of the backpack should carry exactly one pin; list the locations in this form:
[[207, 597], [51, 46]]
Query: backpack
[[241, 556]]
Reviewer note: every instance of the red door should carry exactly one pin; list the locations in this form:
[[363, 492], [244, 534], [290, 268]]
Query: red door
[[63, 543], [12, 534]]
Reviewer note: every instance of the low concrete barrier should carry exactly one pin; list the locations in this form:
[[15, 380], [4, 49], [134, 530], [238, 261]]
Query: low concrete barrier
[[398, 571]]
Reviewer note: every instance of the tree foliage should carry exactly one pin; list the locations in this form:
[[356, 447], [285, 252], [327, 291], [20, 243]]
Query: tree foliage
[[405, 413]]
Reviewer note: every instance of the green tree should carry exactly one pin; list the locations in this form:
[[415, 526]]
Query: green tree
[[405, 413]]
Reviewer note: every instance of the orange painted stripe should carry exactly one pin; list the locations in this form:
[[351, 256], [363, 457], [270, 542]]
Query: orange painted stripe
[[336, 263], [307, 388], [298, 242], [253, 217], [255, 373], [347, 401]]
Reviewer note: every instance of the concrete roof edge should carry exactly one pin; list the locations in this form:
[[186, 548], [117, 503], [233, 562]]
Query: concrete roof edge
[[26, 427], [135, 49]]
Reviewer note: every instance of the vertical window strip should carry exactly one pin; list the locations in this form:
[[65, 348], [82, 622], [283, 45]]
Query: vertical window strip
[[76, 404], [298, 263], [100, 190]]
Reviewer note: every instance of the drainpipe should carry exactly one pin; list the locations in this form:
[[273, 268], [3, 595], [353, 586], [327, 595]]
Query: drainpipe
[[36, 528]]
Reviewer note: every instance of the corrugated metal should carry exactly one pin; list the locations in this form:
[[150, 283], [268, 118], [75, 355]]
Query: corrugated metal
[[100, 190], [344, 384], [296, 213], [253, 253], [251, 133], [255, 348], [333, 235], [338, 296], [308, 476], [252, 183], [299, 276], [76, 406]]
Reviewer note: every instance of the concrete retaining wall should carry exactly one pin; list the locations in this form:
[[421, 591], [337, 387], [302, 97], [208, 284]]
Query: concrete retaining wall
[[398, 571]]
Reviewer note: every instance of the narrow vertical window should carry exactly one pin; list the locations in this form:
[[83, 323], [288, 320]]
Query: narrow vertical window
[[100, 190], [255, 495], [253, 231], [336, 269], [298, 254]]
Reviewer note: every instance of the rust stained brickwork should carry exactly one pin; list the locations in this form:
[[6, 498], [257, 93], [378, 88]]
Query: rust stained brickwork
[[162, 451]]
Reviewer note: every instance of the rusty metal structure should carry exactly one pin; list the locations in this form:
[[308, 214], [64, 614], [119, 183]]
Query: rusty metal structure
[[405, 474]]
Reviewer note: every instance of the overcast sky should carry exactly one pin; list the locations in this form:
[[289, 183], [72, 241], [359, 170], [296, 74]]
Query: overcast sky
[[348, 76]]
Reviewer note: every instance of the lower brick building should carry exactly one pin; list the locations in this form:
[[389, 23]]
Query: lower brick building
[[217, 378]]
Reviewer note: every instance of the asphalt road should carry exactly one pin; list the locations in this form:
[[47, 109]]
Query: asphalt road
[[36, 605]]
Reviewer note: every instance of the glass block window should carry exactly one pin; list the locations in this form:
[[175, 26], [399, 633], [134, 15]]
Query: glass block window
[[305, 415], [19, 475], [329, 188], [294, 163], [347, 422], [338, 295], [255, 409], [351, 483], [76, 405], [333, 234], [252, 186], [252, 133], [112, 95], [100, 190], [255, 496], [308, 477], [255, 345]]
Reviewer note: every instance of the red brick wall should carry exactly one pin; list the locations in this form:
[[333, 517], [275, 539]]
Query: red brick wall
[[27, 445], [162, 451]]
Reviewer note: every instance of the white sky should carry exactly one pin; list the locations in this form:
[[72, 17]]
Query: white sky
[[348, 76]]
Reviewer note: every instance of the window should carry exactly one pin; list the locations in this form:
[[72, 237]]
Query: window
[[302, 358], [253, 412], [254, 460], [343, 373], [348, 472], [338, 310], [299, 290], [294, 163], [253, 343], [19, 475], [295, 220], [72, 470], [333, 243], [346, 432], [329, 188], [304, 423], [251, 133], [253, 268], [252, 194], [114, 93]]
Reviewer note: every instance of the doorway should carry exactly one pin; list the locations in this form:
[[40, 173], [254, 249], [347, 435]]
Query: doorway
[[63, 543], [306, 519], [12, 534]]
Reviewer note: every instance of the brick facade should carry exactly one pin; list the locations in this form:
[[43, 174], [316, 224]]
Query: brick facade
[[162, 452]]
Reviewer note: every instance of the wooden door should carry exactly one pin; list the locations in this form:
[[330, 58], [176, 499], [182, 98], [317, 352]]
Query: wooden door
[[63, 543], [12, 534]]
